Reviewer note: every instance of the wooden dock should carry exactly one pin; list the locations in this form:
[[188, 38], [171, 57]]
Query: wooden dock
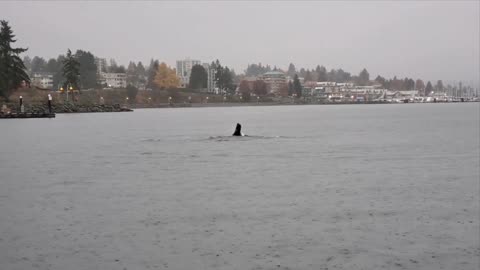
[[26, 115]]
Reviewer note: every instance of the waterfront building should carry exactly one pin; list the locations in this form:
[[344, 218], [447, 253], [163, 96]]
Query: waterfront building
[[101, 64], [109, 79], [184, 70], [211, 85], [114, 80], [276, 83], [43, 80]]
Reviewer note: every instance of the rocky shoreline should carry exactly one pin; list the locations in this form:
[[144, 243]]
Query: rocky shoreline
[[70, 108]]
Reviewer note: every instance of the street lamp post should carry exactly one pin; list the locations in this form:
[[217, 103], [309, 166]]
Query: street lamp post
[[71, 90], [61, 90]]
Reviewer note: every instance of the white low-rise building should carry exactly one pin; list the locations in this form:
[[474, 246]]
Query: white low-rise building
[[114, 80], [42, 80]]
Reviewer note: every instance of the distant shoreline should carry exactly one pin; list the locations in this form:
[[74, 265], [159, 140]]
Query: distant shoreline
[[253, 104], [97, 108]]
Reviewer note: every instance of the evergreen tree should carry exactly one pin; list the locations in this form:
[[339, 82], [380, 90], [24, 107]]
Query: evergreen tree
[[223, 77], [54, 67], [113, 66], [303, 72], [308, 76], [396, 84], [58, 78], [380, 80], [291, 70], [120, 69], [297, 87], [141, 73], [27, 61], [257, 69], [132, 77], [290, 88], [332, 75], [439, 86], [87, 69], [322, 74], [267, 69], [342, 76], [12, 69], [51, 66], [428, 88], [233, 74], [71, 71], [363, 77], [140, 69], [132, 92], [411, 84], [217, 70], [405, 84], [152, 72], [227, 81], [419, 85], [198, 77], [38, 65]]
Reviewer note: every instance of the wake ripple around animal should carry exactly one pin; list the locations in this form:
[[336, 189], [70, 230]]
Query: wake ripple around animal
[[241, 138]]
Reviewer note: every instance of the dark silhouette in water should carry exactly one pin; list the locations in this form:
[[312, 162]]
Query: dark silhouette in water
[[238, 130]]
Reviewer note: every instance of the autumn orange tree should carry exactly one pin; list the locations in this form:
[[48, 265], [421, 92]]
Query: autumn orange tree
[[166, 78]]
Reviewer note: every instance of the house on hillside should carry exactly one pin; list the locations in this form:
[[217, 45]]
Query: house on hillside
[[42, 80]]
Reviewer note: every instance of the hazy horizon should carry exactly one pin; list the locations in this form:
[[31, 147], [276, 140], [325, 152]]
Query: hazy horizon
[[427, 40]]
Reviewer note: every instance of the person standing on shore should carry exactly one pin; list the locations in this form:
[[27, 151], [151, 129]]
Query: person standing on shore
[[22, 108], [49, 103]]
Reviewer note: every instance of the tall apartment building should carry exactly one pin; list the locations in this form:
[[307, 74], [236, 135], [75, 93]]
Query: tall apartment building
[[276, 83], [184, 70], [211, 86], [101, 64]]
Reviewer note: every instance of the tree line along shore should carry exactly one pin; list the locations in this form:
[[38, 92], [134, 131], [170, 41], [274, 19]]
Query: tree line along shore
[[78, 88]]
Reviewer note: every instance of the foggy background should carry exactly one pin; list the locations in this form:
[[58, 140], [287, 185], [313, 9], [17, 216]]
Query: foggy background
[[429, 39]]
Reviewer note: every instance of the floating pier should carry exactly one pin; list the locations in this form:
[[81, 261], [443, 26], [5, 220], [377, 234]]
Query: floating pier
[[26, 115]]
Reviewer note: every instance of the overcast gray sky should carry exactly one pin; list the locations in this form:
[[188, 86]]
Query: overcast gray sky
[[427, 39]]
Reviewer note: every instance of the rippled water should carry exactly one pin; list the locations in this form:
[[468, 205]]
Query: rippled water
[[311, 187]]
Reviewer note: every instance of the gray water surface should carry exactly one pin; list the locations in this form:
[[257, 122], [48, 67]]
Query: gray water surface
[[312, 187]]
